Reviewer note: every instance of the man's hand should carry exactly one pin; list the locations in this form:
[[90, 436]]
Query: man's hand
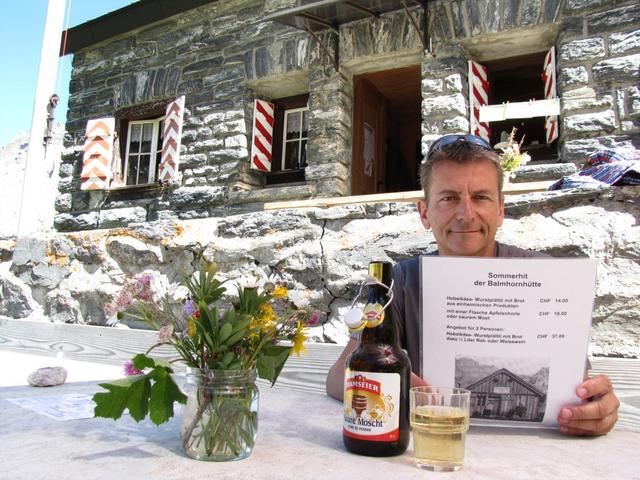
[[416, 381], [595, 417]]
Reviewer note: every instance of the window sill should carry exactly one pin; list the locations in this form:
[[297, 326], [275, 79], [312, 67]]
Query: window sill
[[139, 187], [133, 192], [285, 177]]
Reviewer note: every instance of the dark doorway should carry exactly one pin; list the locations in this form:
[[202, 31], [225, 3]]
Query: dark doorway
[[386, 131], [519, 79]]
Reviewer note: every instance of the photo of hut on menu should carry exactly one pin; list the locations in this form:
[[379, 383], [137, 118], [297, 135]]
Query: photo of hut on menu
[[504, 388]]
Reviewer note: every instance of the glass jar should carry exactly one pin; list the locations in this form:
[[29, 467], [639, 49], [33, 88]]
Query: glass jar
[[220, 419]]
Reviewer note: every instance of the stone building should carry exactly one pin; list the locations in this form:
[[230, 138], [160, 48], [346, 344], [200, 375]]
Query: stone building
[[358, 92]]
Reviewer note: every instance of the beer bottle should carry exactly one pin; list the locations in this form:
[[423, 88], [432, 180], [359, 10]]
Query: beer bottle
[[377, 379]]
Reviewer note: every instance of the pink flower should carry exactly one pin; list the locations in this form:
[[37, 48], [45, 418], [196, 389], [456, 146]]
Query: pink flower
[[130, 370], [142, 287], [315, 318], [110, 309], [124, 300], [165, 332]]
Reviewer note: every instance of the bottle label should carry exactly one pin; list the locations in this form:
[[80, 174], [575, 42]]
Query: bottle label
[[373, 315], [372, 405]]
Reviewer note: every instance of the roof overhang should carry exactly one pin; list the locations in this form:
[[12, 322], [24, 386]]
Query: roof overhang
[[126, 19], [324, 14]]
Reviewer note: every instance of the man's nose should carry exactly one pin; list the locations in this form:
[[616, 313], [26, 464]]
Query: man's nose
[[465, 209]]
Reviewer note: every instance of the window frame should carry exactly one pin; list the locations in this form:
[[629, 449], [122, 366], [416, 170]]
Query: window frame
[[155, 151], [277, 174], [299, 140]]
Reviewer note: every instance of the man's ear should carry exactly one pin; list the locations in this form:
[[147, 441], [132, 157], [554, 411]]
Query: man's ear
[[422, 211]]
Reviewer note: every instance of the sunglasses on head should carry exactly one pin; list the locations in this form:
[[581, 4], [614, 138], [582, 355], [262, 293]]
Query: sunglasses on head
[[453, 138]]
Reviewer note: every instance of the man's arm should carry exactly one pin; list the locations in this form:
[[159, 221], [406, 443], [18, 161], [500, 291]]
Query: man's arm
[[335, 377], [595, 417]]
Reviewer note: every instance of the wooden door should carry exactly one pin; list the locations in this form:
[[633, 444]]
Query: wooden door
[[369, 134]]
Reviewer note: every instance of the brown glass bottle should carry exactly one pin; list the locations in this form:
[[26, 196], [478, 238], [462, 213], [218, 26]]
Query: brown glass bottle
[[377, 380]]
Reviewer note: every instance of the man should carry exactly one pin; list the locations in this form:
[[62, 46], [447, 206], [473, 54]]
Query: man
[[464, 207]]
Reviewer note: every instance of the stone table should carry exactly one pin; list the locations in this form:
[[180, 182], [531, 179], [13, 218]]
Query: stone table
[[299, 438]]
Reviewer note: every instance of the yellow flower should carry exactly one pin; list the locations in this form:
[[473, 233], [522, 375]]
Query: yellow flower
[[298, 340], [210, 267], [267, 316], [191, 327], [280, 292]]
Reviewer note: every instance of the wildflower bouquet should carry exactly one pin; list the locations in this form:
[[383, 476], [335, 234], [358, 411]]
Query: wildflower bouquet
[[511, 157], [246, 336]]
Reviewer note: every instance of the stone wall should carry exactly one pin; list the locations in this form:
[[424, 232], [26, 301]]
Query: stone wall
[[321, 254], [220, 57], [598, 61], [598, 76]]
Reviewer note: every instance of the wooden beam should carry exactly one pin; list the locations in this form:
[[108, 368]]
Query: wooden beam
[[402, 197]]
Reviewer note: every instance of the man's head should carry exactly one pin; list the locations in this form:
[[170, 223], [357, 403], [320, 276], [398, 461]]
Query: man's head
[[462, 181]]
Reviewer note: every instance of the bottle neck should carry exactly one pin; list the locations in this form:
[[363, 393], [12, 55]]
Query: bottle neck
[[385, 332]]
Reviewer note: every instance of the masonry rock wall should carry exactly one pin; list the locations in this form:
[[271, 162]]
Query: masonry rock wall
[[223, 55], [321, 254], [598, 64]]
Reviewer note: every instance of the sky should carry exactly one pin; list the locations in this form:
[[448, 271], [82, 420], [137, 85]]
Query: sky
[[21, 30]]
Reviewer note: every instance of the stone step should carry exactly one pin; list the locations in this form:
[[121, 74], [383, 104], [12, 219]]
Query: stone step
[[542, 172]]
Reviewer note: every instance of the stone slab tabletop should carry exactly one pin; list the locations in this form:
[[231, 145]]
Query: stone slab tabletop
[[299, 438]]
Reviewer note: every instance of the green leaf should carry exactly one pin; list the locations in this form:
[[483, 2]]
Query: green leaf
[[130, 392], [138, 399], [111, 404], [225, 331], [164, 393], [271, 360], [141, 361], [227, 358]]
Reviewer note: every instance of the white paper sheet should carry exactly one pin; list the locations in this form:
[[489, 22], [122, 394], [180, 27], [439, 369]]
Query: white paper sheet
[[72, 406], [513, 331]]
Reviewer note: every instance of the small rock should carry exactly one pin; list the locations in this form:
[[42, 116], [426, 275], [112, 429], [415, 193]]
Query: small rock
[[47, 377]]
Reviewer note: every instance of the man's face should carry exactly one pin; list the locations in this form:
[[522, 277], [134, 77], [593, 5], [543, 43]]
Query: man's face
[[464, 208]]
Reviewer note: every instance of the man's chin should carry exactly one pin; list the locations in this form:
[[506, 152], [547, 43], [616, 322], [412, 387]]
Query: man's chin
[[464, 249]]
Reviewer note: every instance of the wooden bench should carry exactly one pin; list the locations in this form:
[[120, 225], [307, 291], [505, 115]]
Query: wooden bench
[[116, 346]]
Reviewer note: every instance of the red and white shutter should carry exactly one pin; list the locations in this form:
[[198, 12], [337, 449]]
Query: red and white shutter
[[478, 96], [172, 136], [549, 78], [98, 152], [262, 145]]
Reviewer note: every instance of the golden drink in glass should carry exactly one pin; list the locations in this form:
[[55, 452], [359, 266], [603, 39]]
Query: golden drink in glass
[[440, 420]]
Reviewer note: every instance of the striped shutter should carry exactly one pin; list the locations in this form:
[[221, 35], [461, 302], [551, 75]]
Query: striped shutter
[[171, 140], [98, 152], [262, 145], [478, 96], [549, 78]]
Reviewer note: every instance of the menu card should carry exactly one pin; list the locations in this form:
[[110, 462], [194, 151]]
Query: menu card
[[514, 331]]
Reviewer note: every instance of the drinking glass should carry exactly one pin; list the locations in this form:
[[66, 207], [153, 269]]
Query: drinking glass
[[440, 420]]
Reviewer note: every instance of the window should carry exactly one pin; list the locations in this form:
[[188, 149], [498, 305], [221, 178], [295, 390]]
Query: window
[[296, 134], [133, 148], [517, 92], [290, 137], [144, 148]]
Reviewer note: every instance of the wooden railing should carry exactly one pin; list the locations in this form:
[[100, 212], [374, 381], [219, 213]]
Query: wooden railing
[[402, 197]]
